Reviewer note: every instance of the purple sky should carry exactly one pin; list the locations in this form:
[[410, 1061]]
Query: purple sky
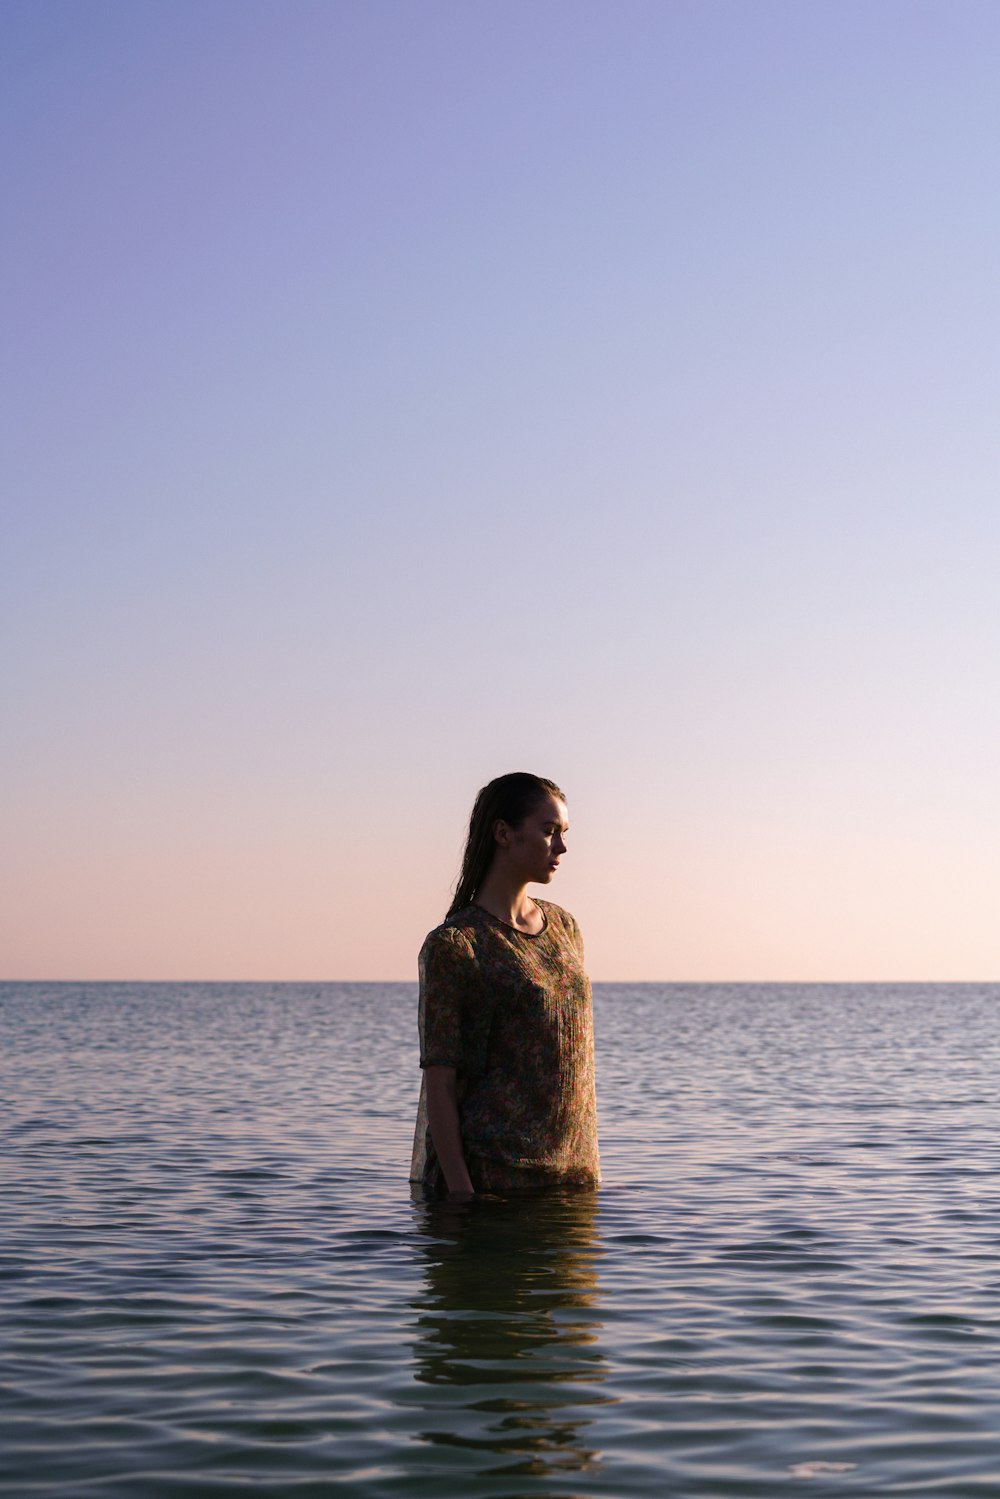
[[395, 395]]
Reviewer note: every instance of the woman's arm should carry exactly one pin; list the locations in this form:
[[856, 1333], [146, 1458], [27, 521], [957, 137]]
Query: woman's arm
[[442, 1116]]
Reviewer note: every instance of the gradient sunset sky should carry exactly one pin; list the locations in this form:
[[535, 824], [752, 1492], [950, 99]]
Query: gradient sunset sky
[[397, 394]]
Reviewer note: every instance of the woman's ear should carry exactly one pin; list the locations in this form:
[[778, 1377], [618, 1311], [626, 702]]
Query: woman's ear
[[501, 832]]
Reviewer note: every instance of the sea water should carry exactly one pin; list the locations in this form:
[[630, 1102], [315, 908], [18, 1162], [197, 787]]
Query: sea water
[[214, 1279]]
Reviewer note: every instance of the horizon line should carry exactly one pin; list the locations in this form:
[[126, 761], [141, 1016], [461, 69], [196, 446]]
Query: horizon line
[[679, 982]]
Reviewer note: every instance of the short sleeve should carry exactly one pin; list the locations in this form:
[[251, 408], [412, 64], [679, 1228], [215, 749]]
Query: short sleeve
[[576, 935], [447, 971]]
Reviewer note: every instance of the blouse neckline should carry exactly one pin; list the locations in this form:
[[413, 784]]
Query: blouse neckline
[[531, 936]]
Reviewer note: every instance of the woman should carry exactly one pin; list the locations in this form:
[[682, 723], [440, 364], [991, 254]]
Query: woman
[[506, 1025]]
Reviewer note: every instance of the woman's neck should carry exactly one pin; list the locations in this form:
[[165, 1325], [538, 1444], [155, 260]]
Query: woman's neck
[[510, 903]]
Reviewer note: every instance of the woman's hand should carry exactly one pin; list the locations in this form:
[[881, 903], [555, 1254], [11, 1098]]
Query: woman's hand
[[442, 1116]]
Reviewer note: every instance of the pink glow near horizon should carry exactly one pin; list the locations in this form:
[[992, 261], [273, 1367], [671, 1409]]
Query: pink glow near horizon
[[396, 396]]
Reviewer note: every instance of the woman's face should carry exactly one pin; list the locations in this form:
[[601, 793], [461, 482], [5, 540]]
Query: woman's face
[[537, 844]]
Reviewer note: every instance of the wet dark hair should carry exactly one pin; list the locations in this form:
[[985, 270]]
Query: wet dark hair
[[508, 799]]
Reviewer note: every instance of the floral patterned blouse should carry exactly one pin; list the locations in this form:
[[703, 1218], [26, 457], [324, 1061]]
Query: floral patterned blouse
[[512, 1013]]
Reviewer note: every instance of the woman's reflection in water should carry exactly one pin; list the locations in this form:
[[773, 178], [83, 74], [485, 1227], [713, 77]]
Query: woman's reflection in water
[[510, 1317]]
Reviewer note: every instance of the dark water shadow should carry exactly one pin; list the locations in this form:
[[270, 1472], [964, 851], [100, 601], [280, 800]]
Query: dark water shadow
[[510, 1322]]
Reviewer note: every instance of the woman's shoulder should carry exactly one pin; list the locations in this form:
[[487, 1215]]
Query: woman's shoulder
[[455, 935], [562, 925], [556, 915]]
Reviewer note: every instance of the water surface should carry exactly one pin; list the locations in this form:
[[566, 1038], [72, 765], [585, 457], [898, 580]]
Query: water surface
[[214, 1281]]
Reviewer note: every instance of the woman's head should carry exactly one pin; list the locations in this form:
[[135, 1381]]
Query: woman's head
[[499, 811]]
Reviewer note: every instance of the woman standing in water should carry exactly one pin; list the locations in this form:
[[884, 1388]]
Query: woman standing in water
[[506, 1024]]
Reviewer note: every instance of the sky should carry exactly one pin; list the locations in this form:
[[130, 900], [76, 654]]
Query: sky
[[396, 395]]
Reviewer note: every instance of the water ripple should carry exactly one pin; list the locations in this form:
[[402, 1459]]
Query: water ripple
[[214, 1281]]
